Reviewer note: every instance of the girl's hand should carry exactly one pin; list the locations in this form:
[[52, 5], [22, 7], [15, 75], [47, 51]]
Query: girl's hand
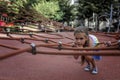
[[74, 44], [107, 43]]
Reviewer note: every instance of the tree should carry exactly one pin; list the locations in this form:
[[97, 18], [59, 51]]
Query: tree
[[99, 7], [49, 9], [69, 11]]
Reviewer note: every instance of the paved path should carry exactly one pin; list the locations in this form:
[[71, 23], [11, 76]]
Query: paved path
[[52, 67]]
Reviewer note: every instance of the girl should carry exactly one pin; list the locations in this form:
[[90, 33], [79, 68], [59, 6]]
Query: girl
[[83, 39]]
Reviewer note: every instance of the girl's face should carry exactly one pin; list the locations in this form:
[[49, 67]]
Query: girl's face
[[80, 39]]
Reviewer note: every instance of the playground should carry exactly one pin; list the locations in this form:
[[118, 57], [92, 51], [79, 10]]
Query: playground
[[49, 56], [37, 40]]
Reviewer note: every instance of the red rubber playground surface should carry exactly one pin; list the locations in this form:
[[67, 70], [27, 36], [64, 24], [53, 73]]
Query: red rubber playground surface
[[26, 66]]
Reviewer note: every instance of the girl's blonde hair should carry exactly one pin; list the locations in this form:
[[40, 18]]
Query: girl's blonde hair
[[83, 30]]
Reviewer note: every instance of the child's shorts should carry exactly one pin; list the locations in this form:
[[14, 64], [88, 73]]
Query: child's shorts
[[97, 57]]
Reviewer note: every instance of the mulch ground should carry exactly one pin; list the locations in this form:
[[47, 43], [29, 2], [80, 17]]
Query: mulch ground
[[26, 66]]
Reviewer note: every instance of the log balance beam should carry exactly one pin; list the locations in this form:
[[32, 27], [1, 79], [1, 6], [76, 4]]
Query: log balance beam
[[82, 51]]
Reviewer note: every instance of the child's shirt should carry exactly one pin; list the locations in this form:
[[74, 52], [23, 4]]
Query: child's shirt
[[95, 42]]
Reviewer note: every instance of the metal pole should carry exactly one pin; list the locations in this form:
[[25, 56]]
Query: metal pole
[[118, 15], [93, 20], [110, 24]]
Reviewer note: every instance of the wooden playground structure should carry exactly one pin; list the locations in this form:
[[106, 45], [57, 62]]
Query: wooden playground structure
[[19, 52], [51, 43]]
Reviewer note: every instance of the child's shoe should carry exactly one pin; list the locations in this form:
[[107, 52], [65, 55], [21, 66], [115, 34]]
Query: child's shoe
[[87, 68], [94, 71]]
